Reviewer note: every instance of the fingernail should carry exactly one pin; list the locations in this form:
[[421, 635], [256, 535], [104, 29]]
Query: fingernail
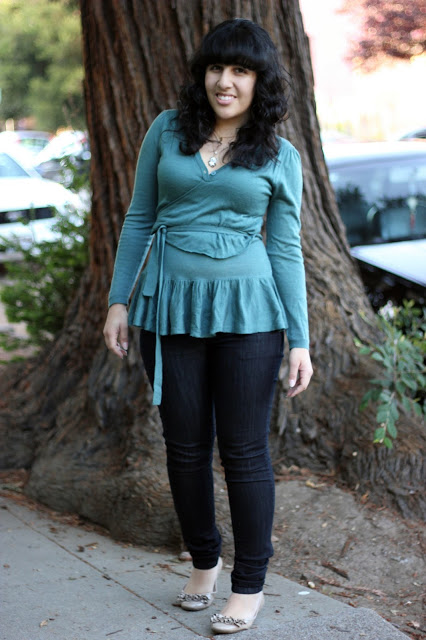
[[292, 383], [125, 346]]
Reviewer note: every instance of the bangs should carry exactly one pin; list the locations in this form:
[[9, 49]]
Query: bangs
[[236, 53], [233, 46]]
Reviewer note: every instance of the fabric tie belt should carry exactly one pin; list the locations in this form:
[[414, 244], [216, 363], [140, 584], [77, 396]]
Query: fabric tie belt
[[154, 281]]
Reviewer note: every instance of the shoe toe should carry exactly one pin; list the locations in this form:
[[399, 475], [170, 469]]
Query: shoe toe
[[197, 605], [226, 624]]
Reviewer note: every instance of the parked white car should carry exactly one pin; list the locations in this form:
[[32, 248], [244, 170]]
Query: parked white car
[[31, 141], [381, 193], [29, 203], [51, 161]]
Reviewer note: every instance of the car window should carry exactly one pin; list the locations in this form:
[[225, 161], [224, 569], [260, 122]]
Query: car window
[[33, 144], [383, 200], [10, 169]]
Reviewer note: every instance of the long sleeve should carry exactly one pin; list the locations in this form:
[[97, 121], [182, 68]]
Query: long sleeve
[[284, 247], [135, 234]]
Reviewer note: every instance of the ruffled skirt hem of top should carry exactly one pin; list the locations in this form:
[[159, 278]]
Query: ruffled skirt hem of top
[[202, 308], [202, 296]]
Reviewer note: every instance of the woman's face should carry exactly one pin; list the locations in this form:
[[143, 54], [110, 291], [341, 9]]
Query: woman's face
[[230, 91]]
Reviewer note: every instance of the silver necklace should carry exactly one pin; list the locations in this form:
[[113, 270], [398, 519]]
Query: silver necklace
[[212, 162]]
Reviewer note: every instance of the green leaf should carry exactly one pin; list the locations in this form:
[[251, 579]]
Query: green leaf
[[377, 356], [369, 396], [400, 387], [417, 409], [364, 402], [392, 431], [364, 351], [382, 382], [394, 411], [406, 403], [375, 394], [388, 443], [409, 382], [382, 414], [383, 350], [379, 434], [385, 396], [421, 379], [388, 362]]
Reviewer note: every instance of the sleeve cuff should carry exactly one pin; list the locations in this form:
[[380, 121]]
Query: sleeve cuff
[[298, 344]]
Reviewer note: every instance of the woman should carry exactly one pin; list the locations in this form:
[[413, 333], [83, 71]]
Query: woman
[[213, 302]]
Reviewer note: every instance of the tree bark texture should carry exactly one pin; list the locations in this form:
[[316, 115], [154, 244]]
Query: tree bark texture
[[80, 419]]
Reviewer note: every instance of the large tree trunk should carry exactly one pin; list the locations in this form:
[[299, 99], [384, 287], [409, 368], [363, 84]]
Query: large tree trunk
[[80, 419]]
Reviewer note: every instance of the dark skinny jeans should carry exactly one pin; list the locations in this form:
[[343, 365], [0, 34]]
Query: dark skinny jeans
[[224, 384]]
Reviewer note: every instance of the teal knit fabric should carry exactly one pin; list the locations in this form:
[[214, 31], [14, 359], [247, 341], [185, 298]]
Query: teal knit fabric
[[208, 270]]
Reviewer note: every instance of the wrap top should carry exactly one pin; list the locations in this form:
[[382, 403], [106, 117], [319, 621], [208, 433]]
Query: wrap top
[[218, 216]]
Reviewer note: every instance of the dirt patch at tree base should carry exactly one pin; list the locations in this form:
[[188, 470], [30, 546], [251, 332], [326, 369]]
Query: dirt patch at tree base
[[325, 536], [350, 549]]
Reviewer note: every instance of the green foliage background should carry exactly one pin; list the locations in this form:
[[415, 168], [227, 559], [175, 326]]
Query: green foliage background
[[44, 282], [40, 287], [401, 354], [41, 70]]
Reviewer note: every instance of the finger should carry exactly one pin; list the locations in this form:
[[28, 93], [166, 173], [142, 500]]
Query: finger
[[302, 383], [115, 348], [111, 335], [119, 351], [292, 374], [304, 372], [124, 337], [296, 390]]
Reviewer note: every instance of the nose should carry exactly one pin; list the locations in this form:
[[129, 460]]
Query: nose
[[225, 78]]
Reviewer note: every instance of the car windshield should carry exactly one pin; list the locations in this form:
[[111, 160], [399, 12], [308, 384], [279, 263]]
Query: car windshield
[[35, 145], [9, 168], [66, 143], [382, 201]]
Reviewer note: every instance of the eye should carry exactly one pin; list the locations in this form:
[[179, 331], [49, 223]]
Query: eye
[[240, 70], [214, 67]]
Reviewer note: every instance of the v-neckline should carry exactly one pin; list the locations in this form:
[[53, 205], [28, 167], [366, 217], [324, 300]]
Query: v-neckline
[[206, 167]]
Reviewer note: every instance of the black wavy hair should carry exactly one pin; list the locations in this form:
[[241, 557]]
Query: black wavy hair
[[245, 43]]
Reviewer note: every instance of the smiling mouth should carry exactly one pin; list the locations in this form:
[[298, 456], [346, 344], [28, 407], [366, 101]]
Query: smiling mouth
[[224, 97]]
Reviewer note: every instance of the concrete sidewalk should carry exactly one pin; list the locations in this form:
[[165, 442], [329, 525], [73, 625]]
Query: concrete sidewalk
[[66, 583]]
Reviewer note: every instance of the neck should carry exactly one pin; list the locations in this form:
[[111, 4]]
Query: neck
[[226, 133], [227, 129]]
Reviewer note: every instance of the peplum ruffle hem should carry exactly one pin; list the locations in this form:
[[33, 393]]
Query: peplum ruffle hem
[[202, 308]]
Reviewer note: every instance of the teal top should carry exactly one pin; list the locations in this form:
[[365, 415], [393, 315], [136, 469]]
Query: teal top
[[208, 270]]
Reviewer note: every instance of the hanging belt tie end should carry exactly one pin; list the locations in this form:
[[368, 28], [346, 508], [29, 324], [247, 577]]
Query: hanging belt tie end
[[158, 372]]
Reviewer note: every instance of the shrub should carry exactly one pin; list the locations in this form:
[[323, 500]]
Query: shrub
[[402, 357], [43, 283]]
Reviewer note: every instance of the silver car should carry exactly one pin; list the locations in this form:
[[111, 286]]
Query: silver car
[[381, 193]]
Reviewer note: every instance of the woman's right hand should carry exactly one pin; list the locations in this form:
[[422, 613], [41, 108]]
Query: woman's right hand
[[116, 331]]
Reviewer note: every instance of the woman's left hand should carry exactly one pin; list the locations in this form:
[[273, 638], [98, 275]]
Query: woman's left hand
[[300, 371]]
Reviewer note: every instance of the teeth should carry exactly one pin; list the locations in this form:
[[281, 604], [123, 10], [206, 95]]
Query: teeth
[[228, 98]]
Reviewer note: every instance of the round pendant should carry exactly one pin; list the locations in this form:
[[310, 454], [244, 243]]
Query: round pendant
[[212, 162]]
